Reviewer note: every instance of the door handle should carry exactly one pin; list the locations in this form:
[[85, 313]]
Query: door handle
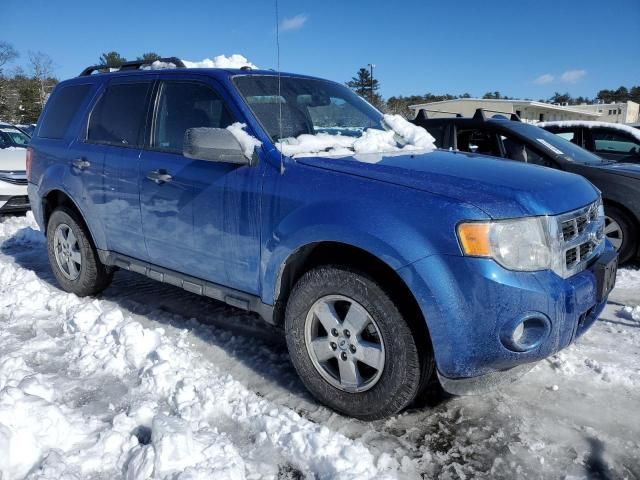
[[81, 163], [159, 176]]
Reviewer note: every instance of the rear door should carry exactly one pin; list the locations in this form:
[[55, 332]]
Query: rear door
[[115, 134]]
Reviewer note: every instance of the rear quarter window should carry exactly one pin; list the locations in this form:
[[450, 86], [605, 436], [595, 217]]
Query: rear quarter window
[[61, 109]]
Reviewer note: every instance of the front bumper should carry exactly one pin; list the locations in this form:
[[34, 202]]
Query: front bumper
[[467, 303]]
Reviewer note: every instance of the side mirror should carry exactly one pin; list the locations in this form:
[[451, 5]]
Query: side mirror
[[214, 145]]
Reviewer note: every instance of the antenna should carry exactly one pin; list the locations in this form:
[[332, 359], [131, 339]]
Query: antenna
[[279, 86]]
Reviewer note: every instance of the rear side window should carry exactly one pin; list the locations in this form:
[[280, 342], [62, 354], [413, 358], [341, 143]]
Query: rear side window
[[119, 116], [607, 141], [61, 109], [184, 105]]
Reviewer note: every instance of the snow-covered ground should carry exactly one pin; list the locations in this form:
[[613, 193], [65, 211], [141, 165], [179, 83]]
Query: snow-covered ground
[[148, 381]]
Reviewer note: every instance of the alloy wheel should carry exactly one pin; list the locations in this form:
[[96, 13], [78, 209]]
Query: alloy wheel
[[344, 343], [67, 251], [613, 231]]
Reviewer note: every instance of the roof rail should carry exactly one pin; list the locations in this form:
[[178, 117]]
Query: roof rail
[[133, 65]]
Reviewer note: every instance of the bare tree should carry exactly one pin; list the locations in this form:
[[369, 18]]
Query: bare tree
[[7, 53], [42, 70]]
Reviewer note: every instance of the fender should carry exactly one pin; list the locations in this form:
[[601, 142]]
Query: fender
[[396, 239]]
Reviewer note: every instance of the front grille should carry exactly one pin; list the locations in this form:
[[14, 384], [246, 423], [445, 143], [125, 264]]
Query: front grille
[[575, 226], [574, 255], [581, 233]]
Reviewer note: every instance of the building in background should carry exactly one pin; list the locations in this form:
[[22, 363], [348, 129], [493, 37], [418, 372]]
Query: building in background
[[527, 110], [622, 112]]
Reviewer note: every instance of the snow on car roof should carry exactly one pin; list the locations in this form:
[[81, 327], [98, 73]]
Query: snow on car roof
[[592, 124]]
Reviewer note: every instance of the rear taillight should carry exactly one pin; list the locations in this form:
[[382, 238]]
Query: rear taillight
[[29, 161]]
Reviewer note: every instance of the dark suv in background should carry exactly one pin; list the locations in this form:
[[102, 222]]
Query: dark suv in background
[[509, 138], [611, 141]]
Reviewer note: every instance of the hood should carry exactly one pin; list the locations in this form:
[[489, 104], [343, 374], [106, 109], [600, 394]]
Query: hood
[[501, 188], [631, 170], [13, 159]]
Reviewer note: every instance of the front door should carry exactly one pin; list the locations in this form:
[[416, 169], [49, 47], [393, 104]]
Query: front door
[[194, 212]]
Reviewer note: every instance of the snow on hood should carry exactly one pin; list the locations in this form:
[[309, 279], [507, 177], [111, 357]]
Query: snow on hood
[[592, 124], [221, 61], [402, 136]]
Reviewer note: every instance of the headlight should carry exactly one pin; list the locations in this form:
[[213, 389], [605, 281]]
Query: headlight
[[521, 244]]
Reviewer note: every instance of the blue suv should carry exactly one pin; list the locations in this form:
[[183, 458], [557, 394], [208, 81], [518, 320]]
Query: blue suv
[[384, 261]]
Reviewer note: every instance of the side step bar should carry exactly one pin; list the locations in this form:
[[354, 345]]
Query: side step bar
[[191, 284]]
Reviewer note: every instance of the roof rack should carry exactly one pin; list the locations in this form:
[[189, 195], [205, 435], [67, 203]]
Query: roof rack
[[422, 113], [479, 115], [133, 65]]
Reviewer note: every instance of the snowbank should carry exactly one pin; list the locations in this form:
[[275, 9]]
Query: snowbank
[[402, 136], [183, 416]]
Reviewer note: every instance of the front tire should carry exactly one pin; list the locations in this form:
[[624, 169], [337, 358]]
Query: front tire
[[621, 232], [351, 346], [72, 255]]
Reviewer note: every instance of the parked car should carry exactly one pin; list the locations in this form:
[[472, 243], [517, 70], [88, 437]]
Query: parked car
[[28, 129], [13, 179], [611, 141], [382, 264], [509, 138]]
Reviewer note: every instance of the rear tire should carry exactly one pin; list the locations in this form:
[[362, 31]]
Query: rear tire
[[72, 255], [370, 333], [622, 233]]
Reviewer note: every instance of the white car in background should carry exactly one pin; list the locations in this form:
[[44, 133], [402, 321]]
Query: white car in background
[[13, 177]]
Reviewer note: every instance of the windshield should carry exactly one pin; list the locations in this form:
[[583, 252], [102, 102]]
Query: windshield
[[556, 144], [15, 136], [307, 106]]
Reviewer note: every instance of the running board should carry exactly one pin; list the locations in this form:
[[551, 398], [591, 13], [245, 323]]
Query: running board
[[232, 297]]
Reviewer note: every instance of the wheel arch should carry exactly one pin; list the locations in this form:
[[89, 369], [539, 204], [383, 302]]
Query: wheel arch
[[321, 253], [57, 197]]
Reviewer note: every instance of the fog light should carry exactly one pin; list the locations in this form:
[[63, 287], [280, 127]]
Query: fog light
[[526, 333]]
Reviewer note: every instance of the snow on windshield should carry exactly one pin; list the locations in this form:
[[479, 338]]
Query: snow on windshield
[[221, 61], [401, 136]]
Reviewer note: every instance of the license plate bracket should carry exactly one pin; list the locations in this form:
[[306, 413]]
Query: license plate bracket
[[605, 269]]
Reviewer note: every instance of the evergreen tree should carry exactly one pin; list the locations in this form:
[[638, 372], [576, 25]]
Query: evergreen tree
[[112, 59], [149, 57], [366, 86], [29, 106]]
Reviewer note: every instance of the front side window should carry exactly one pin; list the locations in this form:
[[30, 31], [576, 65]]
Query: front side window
[[61, 108], [119, 116], [477, 140], [515, 149], [306, 106], [185, 105], [607, 141]]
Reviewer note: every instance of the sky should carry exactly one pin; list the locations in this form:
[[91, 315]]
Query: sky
[[522, 48]]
